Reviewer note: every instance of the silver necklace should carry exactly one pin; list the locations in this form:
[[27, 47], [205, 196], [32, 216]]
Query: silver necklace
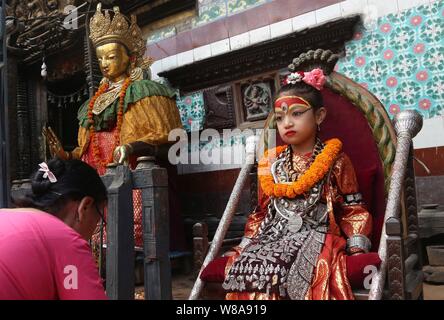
[[295, 210]]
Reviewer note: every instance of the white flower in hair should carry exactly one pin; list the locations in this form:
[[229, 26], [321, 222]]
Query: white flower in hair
[[47, 173], [294, 78]]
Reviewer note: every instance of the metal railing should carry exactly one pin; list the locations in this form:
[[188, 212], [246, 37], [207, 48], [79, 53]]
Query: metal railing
[[407, 125], [227, 216]]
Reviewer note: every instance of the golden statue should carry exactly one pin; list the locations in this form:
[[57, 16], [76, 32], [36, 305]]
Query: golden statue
[[128, 116]]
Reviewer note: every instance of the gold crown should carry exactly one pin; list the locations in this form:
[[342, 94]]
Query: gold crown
[[104, 29]]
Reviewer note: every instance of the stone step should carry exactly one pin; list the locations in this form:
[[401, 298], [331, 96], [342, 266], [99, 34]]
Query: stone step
[[434, 274], [436, 255]]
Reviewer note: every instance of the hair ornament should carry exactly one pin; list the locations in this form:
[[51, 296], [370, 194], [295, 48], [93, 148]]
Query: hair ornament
[[314, 78], [47, 173]]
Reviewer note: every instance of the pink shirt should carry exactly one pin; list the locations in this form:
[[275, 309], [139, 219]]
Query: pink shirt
[[43, 258]]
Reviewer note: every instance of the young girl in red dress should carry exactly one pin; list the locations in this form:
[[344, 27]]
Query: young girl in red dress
[[310, 214]]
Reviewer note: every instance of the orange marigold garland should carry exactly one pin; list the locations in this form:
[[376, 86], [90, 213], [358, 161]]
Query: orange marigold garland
[[103, 161], [317, 170]]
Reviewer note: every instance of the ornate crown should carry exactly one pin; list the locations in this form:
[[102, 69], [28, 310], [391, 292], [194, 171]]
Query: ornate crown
[[104, 29]]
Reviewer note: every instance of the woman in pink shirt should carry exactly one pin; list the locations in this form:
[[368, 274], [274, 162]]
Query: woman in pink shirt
[[44, 253]]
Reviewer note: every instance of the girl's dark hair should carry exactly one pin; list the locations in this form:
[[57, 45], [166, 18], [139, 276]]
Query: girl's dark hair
[[305, 91], [307, 61], [75, 180]]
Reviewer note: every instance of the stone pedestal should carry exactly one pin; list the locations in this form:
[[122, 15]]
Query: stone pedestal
[[433, 292], [431, 221], [434, 274], [431, 228]]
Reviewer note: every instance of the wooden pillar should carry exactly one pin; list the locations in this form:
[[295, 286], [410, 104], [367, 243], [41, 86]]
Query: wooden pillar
[[23, 129], [152, 180], [120, 236]]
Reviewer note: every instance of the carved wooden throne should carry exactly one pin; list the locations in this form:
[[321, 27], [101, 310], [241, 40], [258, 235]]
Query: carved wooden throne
[[360, 121]]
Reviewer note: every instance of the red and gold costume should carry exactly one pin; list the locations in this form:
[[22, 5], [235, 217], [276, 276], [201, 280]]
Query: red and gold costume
[[346, 216]]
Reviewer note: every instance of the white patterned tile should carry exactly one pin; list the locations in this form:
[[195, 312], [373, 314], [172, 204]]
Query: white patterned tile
[[220, 47], [259, 35], [240, 41], [281, 28], [304, 21], [201, 53], [350, 7], [328, 13], [431, 134], [156, 68], [184, 58], [169, 63], [380, 8]]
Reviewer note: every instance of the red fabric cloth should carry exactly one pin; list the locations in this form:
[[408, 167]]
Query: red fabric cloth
[[347, 123], [215, 270], [356, 265]]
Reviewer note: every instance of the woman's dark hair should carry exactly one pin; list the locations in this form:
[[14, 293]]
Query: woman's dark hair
[[303, 90], [75, 180]]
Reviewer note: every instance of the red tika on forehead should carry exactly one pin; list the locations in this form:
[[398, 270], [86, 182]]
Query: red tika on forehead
[[288, 101]]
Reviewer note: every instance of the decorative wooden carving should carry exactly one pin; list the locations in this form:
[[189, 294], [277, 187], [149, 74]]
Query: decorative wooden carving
[[256, 100], [395, 260], [44, 32], [219, 107], [33, 134], [410, 197], [263, 57], [23, 129]]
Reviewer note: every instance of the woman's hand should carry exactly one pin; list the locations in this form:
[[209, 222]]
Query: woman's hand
[[55, 146], [121, 154]]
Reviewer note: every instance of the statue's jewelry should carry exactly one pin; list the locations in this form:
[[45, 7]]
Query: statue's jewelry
[[95, 144], [136, 74], [107, 98]]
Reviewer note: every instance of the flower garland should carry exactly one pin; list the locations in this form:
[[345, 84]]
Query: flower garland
[[94, 139], [317, 170]]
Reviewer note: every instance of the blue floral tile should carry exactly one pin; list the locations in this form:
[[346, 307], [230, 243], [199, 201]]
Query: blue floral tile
[[192, 111], [401, 60], [235, 6], [162, 34], [210, 11]]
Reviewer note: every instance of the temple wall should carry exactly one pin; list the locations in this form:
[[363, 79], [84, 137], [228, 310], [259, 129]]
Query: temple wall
[[398, 54]]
